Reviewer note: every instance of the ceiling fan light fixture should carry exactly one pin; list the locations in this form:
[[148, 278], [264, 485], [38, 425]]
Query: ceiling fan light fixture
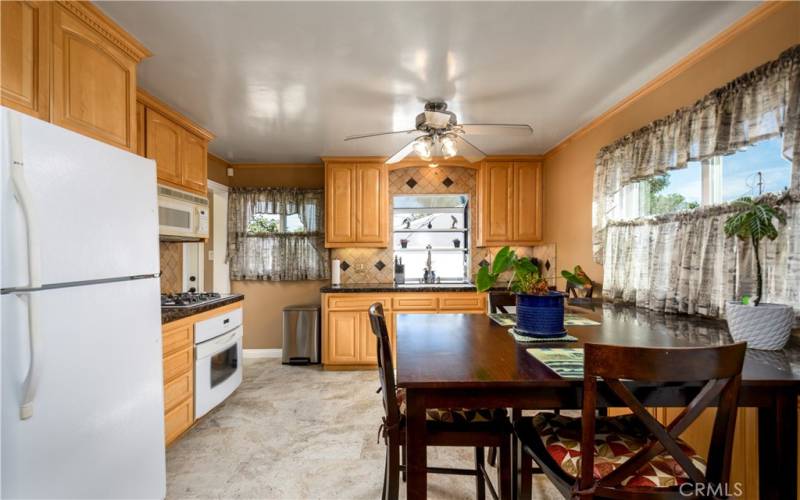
[[449, 148], [423, 147], [433, 165]]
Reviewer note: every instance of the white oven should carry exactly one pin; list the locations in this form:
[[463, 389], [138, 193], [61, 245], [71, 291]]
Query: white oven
[[181, 216], [218, 360]]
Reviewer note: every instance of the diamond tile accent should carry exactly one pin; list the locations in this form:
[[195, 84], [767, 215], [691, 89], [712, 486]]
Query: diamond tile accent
[[411, 183], [547, 265], [380, 265], [448, 182], [483, 263], [344, 265]]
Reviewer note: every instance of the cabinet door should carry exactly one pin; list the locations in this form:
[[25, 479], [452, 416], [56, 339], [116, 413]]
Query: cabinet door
[[497, 202], [527, 208], [24, 57], [94, 83], [340, 203], [368, 343], [371, 201], [344, 329], [164, 146], [193, 158]]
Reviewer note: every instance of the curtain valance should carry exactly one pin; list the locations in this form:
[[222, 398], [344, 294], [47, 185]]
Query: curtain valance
[[758, 105], [282, 254]]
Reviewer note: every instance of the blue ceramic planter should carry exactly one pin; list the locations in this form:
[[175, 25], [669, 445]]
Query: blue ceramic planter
[[541, 315]]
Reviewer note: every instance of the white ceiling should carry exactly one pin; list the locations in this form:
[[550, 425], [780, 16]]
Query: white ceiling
[[286, 82]]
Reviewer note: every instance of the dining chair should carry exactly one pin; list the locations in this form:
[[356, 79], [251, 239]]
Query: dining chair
[[444, 427], [500, 301], [635, 455]]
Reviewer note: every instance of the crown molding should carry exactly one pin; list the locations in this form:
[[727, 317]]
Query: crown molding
[[151, 102], [100, 22], [755, 15]]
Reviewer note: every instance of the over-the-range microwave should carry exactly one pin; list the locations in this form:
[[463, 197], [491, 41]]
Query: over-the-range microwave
[[182, 216]]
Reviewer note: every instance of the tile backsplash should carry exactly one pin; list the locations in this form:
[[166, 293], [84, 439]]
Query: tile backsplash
[[171, 255], [376, 265]]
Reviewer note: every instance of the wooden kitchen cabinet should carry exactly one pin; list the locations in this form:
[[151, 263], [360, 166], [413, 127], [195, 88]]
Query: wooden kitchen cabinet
[[347, 338], [25, 57], [179, 147], [356, 204], [177, 341], [510, 203], [68, 63]]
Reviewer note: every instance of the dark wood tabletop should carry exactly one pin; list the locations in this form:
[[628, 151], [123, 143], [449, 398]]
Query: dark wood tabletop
[[470, 350]]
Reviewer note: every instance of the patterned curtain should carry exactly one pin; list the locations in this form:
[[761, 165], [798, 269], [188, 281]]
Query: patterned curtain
[[758, 105], [684, 263], [281, 255]]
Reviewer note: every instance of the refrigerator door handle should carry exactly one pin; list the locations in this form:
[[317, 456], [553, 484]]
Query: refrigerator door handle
[[23, 196]]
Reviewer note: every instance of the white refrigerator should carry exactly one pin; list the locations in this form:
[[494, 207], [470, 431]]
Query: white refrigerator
[[82, 389]]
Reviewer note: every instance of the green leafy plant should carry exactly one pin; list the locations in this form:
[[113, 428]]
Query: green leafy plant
[[526, 277], [753, 221], [577, 277]]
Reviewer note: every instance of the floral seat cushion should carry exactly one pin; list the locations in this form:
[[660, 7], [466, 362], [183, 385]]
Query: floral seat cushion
[[455, 415], [616, 440]]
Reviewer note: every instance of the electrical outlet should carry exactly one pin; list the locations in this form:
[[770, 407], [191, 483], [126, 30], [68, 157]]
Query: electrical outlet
[[211, 255], [360, 268]]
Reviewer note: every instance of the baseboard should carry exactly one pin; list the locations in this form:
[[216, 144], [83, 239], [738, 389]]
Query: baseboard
[[262, 353]]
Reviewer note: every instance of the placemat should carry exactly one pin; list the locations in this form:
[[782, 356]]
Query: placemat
[[506, 319], [566, 362], [524, 339]]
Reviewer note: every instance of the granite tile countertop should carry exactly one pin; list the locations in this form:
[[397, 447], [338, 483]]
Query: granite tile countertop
[[391, 287], [169, 315]]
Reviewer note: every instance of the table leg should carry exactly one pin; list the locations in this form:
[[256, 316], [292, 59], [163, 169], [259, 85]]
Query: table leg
[[416, 450], [777, 448], [516, 414]]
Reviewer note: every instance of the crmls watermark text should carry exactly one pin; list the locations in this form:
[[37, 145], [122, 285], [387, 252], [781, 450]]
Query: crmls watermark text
[[711, 490]]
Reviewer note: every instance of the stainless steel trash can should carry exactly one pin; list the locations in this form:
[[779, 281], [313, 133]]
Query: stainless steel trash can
[[301, 334]]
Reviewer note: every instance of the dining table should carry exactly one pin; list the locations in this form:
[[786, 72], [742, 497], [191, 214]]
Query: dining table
[[469, 361]]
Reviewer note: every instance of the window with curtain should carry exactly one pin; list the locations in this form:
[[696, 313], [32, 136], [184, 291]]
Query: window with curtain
[[276, 234], [661, 197]]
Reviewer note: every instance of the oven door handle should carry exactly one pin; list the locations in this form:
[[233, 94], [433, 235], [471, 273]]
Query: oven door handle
[[218, 344]]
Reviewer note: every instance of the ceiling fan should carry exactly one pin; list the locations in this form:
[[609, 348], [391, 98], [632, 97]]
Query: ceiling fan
[[442, 133]]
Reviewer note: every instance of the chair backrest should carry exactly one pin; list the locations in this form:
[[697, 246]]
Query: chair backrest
[[719, 368], [385, 364], [499, 301]]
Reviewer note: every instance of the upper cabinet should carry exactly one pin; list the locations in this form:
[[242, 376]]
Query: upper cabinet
[[25, 57], [179, 147], [356, 204], [510, 203], [67, 63]]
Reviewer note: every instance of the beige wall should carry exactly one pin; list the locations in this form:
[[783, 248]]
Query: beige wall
[[569, 170], [264, 300], [263, 305]]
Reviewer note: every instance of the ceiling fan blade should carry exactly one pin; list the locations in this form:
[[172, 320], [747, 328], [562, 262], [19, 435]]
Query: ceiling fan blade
[[496, 129], [363, 136], [472, 153], [407, 149]]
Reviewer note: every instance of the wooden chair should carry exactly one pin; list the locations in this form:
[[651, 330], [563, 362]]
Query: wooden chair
[[500, 301], [641, 458], [445, 427]]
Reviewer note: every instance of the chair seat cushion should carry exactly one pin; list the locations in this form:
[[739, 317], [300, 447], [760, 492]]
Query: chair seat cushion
[[616, 440], [455, 415]]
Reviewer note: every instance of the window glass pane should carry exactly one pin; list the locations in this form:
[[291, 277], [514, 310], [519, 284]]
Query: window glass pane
[[759, 169], [264, 223], [293, 224], [676, 190], [448, 265]]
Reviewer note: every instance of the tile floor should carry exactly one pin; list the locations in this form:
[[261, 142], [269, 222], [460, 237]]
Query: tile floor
[[300, 433]]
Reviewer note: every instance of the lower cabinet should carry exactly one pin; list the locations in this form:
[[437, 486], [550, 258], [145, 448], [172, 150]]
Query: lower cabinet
[[347, 338], [178, 349]]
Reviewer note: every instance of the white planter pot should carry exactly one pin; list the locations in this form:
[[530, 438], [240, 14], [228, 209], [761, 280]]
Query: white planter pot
[[766, 326]]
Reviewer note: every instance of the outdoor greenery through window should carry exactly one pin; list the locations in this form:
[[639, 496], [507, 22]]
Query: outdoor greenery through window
[[751, 172], [435, 223], [274, 223]]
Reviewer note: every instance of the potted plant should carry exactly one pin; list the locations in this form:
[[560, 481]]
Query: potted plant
[[403, 243], [762, 325], [540, 311], [457, 243]]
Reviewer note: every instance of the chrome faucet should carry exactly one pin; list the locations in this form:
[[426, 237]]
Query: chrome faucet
[[429, 275]]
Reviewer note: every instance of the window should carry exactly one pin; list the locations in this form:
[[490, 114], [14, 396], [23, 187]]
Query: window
[[753, 171], [432, 224], [274, 224]]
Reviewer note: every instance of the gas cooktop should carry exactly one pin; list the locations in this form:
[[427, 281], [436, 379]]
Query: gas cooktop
[[189, 299]]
